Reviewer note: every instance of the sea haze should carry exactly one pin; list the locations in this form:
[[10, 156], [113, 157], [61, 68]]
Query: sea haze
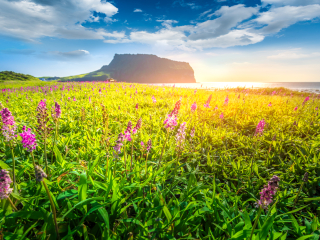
[[298, 86]]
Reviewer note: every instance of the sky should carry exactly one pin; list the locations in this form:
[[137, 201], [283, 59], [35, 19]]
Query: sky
[[222, 40]]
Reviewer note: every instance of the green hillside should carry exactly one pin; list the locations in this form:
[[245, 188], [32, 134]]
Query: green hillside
[[92, 76], [6, 76]]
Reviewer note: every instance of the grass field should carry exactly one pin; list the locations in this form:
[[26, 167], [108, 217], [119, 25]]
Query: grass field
[[198, 165]]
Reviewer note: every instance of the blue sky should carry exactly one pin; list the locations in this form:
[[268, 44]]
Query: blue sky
[[223, 40]]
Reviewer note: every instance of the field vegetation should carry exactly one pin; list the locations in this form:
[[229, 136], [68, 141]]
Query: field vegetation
[[132, 161]]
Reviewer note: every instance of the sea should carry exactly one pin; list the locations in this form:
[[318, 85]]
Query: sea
[[297, 86]]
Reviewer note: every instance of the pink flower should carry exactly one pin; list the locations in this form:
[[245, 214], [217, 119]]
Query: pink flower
[[192, 132], [260, 127], [206, 105], [269, 105], [221, 116], [154, 99], [5, 182], [194, 107], [170, 122], [295, 109], [267, 193], [181, 134], [28, 140], [127, 133], [305, 100], [216, 108], [226, 101]]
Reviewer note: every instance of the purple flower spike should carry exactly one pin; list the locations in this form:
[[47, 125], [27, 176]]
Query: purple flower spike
[[260, 127], [149, 145], [267, 193], [194, 107], [28, 140], [5, 182], [40, 174]]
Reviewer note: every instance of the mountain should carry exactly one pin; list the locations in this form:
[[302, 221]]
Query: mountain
[[141, 68], [13, 76]]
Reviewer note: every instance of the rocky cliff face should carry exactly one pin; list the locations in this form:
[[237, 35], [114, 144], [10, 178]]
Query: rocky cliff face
[[144, 68]]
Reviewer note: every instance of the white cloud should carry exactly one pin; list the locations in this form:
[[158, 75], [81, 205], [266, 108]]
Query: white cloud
[[202, 15], [182, 3], [77, 55], [291, 2], [282, 17], [32, 19], [293, 54], [137, 10], [227, 18]]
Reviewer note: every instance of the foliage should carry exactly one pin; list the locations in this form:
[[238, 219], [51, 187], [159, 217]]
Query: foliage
[[206, 190], [13, 76]]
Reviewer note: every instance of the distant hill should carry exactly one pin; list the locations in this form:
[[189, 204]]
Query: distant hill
[[13, 76], [92, 76], [140, 68]]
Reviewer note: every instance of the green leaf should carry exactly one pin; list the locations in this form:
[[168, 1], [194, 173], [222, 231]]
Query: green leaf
[[305, 237], [93, 165], [82, 189]]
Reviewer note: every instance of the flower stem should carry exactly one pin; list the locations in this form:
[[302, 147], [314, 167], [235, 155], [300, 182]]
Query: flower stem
[[131, 154], [147, 165], [164, 145], [54, 141], [53, 209], [13, 169], [256, 222], [34, 163], [295, 201], [45, 152], [13, 206]]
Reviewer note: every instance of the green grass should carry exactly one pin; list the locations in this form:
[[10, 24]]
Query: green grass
[[207, 189]]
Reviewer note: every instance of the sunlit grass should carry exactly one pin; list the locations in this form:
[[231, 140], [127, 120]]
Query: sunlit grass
[[206, 189]]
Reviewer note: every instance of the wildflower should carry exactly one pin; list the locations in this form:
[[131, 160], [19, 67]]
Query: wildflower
[[305, 100], [137, 106], [305, 177], [137, 127], [5, 182], [119, 143], [74, 99], [56, 111], [7, 118], [267, 193], [226, 101], [216, 108], [295, 109], [221, 116], [270, 105], [127, 133], [206, 105], [316, 108], [194, 107], [260, 127], [181, 134], [149, 145], [40, 174], [170, 122], [142, 145], [195, 91], [154, 99], [28, 139], [192, 132], [176, 109]]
